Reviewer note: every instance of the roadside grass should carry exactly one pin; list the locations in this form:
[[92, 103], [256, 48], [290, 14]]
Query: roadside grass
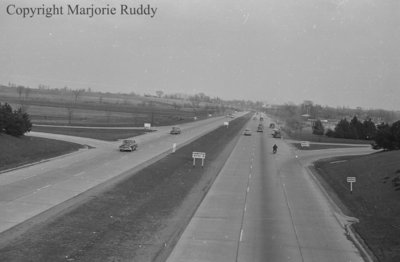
[[308, 136], [321, 146], [138, 219], [101, 134], [24, 150], [375, 198]]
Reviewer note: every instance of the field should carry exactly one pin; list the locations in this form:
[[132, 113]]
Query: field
[[24, 150], [375, 199], [60, 107], [138, 219], [95, 133]]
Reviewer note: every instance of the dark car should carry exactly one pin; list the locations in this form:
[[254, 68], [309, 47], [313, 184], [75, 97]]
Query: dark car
[[128, 145], [175, 130]]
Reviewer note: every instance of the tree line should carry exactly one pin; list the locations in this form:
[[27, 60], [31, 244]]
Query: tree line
[[384, 135], [14, 122]]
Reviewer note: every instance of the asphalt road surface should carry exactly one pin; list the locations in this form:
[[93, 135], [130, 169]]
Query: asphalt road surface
[[267, 207], [29, 191]]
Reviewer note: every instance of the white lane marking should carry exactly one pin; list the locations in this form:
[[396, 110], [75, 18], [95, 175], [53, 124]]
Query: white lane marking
[[245, 208], [81, 173], [29, 177], [251, 166], [43, 187], [241, 235], [248, 189]]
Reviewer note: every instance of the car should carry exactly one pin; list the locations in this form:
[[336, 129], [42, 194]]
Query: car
[[175, 130], [128, 145], [272, 125], [247, 132], [276, 133], [260, 128]]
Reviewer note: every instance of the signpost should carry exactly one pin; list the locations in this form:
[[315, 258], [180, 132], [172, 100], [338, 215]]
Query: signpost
[[201, 155], [226, 124], [147, 125], [351, 180], [174, 148]]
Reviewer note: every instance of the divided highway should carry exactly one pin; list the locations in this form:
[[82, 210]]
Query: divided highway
[[29, 191], [267, 207]]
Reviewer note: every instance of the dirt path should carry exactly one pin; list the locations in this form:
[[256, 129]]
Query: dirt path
[[137, 220]]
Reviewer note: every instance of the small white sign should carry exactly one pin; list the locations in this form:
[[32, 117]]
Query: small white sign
[[201, 155], [351, 180], [305, 144], [226, 124], [147, 125]]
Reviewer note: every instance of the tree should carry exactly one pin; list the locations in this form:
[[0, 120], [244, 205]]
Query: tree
[[159, 93], [318, 128], [342, 129], [384, 138], [77, 93], [357, 130], [15, 123], [369, 129]]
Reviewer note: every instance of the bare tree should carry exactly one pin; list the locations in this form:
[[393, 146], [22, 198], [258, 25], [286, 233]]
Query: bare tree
[[20, 90], [70, 112], [77, 93]]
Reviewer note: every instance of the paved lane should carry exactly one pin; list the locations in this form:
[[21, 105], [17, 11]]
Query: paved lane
[[29, 191], [266, 207]]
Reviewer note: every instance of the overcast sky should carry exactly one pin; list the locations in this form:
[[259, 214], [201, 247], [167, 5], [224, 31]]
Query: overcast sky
[[333, 52]]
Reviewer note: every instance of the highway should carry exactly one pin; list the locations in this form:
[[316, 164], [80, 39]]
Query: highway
[[268, 207], [31, 190]]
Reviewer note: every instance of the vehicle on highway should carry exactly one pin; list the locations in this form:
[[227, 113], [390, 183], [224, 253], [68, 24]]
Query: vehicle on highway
[[272, 125], [261, 118], [175, 130], [247, 132], [260, 128], [276, 133], [274, 149], [128, 145]]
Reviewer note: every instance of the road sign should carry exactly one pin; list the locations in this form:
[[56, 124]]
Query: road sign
[[305, 144], [226, 124], [351, 180], [201, 155], [147, 125]]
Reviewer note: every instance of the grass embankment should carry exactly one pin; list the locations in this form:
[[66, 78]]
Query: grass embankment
[[375, 199], [137, 219], [24, 150], [95, 133]]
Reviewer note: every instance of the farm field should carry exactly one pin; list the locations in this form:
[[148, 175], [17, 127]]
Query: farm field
[[375, 198], [25, 150]]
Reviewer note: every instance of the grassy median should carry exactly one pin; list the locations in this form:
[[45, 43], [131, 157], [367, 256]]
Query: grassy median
[[138, 219], [375, 198], [16, 151]]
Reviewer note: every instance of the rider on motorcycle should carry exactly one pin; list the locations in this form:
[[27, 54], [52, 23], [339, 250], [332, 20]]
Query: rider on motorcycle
[[274, 149]]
